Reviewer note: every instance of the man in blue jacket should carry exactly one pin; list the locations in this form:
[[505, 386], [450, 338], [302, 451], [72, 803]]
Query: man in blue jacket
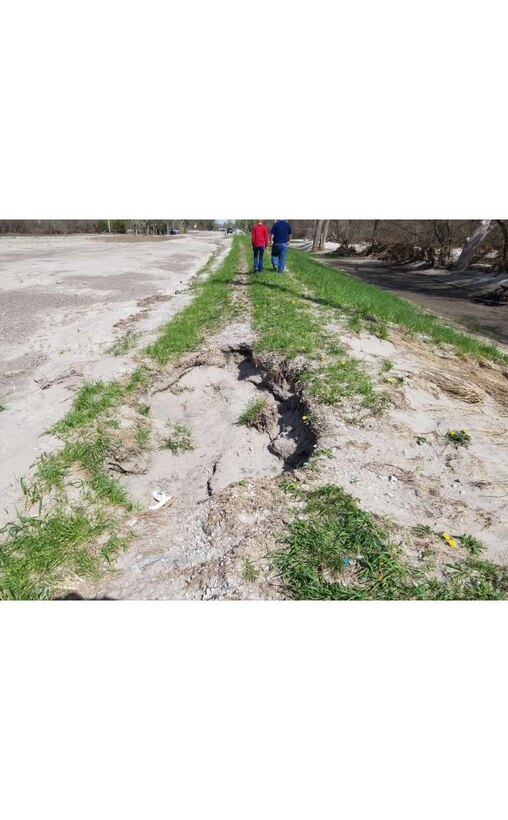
[[280, 235]]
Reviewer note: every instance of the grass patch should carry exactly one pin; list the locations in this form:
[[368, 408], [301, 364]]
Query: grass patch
[[114, 545], [94, 398], [354, 323], [179, 439], [2, 407], [335, 288], [471, 544], [125, 344], [285, 323], [332, 382], [290, 486], [386, 365], [212, 304], [36, 552], [90, 454], [458, 437], [282, 319], [39, 553], [422, 530], [250, 570], [142, 435], [337, 551], [252, 413], [51, 471]]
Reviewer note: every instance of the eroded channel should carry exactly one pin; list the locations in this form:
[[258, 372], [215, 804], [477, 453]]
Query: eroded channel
[[206, 399]]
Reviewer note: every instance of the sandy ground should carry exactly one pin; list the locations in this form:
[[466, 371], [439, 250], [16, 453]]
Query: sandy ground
[[230, 508], [63, 302], [229, 505]]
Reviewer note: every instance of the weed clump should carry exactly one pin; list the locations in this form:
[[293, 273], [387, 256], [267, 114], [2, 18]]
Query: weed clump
[[179, 439], [460, 438], [421, 530], [142, 435], [471, 544], [250, 570], [125, 344], [337, 551], [253, 413]]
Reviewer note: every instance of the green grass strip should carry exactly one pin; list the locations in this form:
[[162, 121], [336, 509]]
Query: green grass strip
[[286, 324], [336, 289], [39, 552], [337, 551], [283, 321], [93, 398], [212, 304]]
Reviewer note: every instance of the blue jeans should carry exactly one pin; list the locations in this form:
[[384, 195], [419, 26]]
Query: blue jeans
[[258, 257], [279, 251]]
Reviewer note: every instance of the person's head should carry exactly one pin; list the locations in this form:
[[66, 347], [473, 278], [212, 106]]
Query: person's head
[[260, 221]]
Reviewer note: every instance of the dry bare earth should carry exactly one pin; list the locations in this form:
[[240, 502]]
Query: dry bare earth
[[452, 489], [398, 464], [230, 511], [64, 301], [229, 508]]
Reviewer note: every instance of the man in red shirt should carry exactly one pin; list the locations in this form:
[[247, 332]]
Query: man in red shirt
[[259, 238]]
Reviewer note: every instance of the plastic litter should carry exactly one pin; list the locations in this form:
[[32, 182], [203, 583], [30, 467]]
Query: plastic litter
[[162, 500]]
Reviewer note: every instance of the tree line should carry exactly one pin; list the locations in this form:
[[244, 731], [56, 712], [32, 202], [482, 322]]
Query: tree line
[[449, 243], [103, 226]]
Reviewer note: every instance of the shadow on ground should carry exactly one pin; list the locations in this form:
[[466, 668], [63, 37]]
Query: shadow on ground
[[442, 292]]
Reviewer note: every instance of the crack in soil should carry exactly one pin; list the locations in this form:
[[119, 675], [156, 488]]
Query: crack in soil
[[209, 482], [184, 551]]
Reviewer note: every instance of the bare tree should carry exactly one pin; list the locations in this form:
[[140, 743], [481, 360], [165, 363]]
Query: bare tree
[[503, 262], [317, 235], [443, 234], [324, 234], [347, 237], [478, 234]]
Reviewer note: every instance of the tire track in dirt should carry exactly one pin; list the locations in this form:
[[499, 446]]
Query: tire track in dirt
[[229, 508]]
